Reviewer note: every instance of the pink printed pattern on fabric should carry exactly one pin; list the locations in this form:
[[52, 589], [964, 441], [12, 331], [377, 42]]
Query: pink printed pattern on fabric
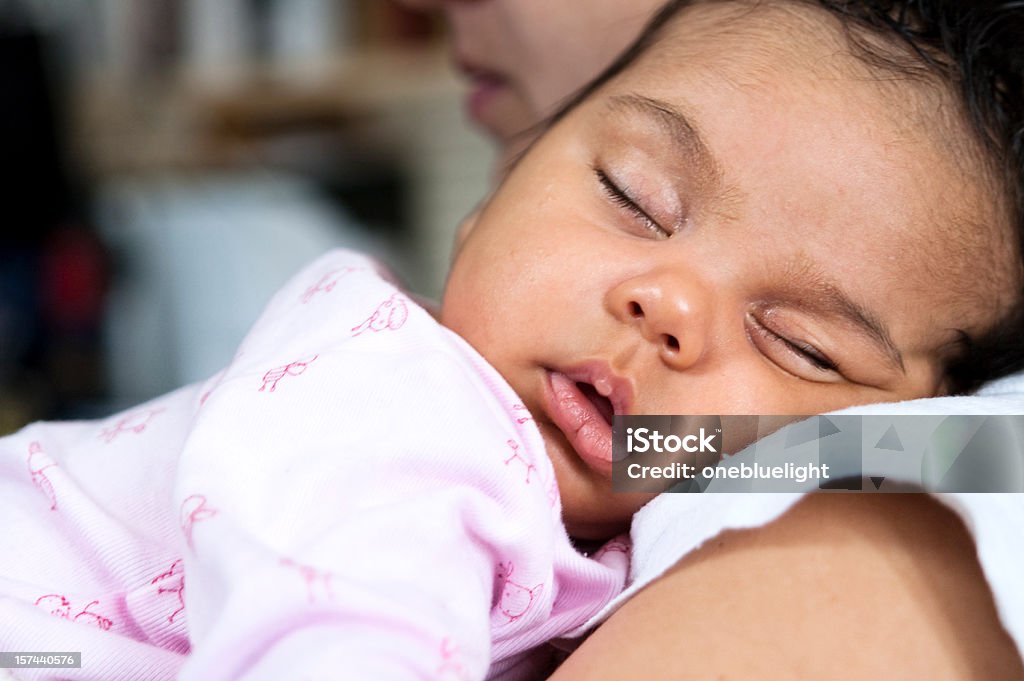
[[516, 456], [135, 422], [327, 282], [59, 606], [451, 666], [553, 492], [313, 578], [516, 599], [177, 586], [38, 462], [194, 510], [272, 377], [389, 315], [524, 414]]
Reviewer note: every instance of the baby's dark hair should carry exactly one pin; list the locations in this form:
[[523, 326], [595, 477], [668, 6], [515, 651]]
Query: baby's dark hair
[[973, 47]]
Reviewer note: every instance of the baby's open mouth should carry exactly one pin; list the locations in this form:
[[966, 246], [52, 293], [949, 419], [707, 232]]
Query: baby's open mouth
[[582, 402], [603, 404]]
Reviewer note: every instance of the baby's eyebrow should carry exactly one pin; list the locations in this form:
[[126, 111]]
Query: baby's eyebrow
[[683, 132], [820, 294]]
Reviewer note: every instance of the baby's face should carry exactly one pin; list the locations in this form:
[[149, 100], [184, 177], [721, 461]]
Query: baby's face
[[733, 226]]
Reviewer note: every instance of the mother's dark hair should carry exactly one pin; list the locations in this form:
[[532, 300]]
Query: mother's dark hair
[[976, 48]]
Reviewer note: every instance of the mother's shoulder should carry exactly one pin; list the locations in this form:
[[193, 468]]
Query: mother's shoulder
[[841, 585]]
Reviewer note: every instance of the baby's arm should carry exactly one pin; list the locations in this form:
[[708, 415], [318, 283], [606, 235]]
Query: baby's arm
[[341, 508], [334, 554], [405, 609]]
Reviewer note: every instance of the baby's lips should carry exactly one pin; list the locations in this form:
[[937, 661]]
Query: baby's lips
[[580, 421]]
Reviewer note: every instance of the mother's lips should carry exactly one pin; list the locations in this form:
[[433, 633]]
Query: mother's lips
[[580, 419], [484, 84]]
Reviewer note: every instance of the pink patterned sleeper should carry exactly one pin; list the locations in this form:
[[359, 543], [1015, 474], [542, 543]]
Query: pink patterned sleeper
[[359, 495]]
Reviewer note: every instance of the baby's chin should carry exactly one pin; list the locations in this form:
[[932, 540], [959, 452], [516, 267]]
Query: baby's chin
[[590, 509]]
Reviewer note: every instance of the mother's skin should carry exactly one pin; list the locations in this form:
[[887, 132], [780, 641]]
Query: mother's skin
[[841, 586]]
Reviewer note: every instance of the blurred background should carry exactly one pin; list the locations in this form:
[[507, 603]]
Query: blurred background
[[168, 164]]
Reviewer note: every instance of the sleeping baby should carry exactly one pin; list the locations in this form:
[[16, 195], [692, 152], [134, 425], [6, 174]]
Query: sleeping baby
[[748, 213]]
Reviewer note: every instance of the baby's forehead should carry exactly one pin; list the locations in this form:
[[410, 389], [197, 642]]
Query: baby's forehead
[[748, 45], [781, 82]]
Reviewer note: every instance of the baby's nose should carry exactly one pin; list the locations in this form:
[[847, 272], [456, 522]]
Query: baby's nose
[[669, 311]]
